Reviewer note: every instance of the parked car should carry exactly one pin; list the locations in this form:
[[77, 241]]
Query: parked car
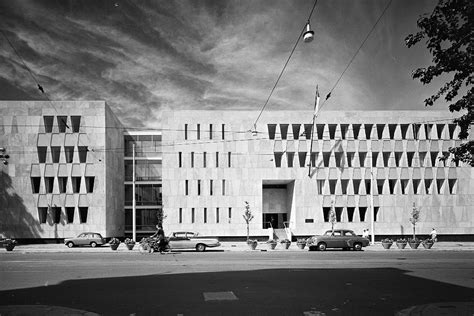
[[189, 240], [85, 239], [341, 238]]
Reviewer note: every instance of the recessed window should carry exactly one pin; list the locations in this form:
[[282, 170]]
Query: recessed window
[[180, 215], [211, 187], [296, 130], [83, 214], [452, 186], [376, 212], [309, 220], [76, 184], [217, 215], [48, 123], [42, 154], [204, 159], [223, 187], [326, 157], [205, 215], [180, 159], [338, 213], [49, 183], [332, 131], [350, 214], [302, 159], [62, 181], [380, 184], [223, 131], [319, 130], [62, 123], [278, 156], [42, 214], [391, 130], [198, 130], [284, 131], [210, 131], [362, 213], [186, 131], [344, 128], [76, 123], [192, 215], [404, 128], [230, 214], [192, 159], [356, 185], [70, 214], [290, 157], [199, 187], [56, 215], [326, 211], [69, 152], [320, 186], [368, 130], [229, 159], [83, 154], [186, 187], [90, 184], [332, 186], [55, 153], [35, 184], [380, 128], [217, 159], [356, 130]]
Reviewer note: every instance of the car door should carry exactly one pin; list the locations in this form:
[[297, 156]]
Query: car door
[[82, 239], [339, 239], [330, 239]]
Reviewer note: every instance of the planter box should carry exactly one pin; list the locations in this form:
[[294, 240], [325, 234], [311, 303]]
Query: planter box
[[9, 247], [427, 245], [130, 246], [387, 245], [401, 245], [114, 247], [301, 246], [414, 245], [286, 245], [272, 246], [252, 246]]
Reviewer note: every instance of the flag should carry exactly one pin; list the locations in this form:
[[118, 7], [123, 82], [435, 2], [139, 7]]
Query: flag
[[316, 102]]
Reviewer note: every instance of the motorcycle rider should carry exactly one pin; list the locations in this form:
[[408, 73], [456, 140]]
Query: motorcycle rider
[[160, 234]]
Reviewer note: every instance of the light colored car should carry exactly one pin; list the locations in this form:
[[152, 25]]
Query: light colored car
[[341, 238], [190, 240], [85, 239]]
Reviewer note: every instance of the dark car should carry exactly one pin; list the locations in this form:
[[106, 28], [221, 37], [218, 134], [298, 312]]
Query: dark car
[[190, 240], [340, 238], [85, 239]]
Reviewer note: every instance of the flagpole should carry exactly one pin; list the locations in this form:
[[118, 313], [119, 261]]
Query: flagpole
[[315, 113]]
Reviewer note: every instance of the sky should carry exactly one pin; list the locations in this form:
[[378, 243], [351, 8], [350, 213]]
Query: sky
[[143, 57]]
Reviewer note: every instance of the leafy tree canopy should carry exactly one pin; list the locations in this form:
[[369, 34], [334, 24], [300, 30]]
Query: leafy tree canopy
[[448, 31]]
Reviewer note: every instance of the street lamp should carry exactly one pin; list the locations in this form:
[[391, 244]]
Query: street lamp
[[308, 34]]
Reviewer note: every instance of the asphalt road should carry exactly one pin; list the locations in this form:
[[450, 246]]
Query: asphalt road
[[237, 283]]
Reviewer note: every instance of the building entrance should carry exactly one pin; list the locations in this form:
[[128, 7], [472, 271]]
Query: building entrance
[[276, 208], [274, 220]]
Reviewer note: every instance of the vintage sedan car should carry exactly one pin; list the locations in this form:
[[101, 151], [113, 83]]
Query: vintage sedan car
[[190, 240], [85, 239], [341, 238]]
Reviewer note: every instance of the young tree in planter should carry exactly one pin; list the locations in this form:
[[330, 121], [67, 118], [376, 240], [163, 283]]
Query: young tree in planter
[[247, 217], [415, 217], [332, 217]]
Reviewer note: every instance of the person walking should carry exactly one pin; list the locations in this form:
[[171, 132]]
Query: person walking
[[365, 234], [433, 235]]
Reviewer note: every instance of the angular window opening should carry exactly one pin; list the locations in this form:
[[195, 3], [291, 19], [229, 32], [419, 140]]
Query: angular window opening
[[49, 183], [356, 186], [428, 128], [452, 128], [271, 130], [416, 130], [356, 130], [192, 159], [339, 159], [199, 187], [230, 213], [326, 211], [56, 214], [368, 130], [428, 183], [332, 131], [339, 213], [180, 159], [205, 215], [362, 213], [223, 187], [217, 159], [350, 214], [380, 128], [210, 131], [404, 186], [62, 123], [76, 123], [90, 184], [344, 184], [284, 131], [391, 130], [290, 157], [229, 159], [296, 130], [83, 214], [380, 184], [440, 129], [308, 129], [422, 155], [344, 128], [211, 187], [186, 187], [440, 185], [368, 186], [398, 158], [326, 157], [446, 161], [42, 154], [76, 184], [404, 128], [375, 155], [69, 152], [48, 123], [309, 220], [391, 185], [350, 158], [302, 159], [42, 214], [278, 156], [376, 212], [185, 131], [35, 184], [70, 214], [320, 184], [452, 186], [416, 186], [180, 215], [14, 129], [433, 156], [223, 131], [55, 153], [410, 155], [386, 157], [198, 131], [320, 130], [362, 156], [62, 181], [192, 215], [217, 215], [313, 159], [204, 159], [332, 186], [82, 154]]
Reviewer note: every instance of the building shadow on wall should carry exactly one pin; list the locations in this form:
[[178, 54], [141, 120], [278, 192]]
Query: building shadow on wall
[[16, 220]]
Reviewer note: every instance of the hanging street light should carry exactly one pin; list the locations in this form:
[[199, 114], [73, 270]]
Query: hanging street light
[[308, 34]]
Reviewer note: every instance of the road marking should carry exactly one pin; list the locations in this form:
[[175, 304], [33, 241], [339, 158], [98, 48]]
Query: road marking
[[219, 296]]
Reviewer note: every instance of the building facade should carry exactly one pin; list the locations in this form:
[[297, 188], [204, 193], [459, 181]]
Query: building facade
[[64, 169], [293, 175]]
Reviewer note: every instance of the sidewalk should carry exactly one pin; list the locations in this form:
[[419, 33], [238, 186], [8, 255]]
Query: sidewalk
[[233, 246]]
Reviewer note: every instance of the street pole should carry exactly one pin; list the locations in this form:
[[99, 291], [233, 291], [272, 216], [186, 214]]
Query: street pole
[[315, 113], [372, 213], [134, 205]]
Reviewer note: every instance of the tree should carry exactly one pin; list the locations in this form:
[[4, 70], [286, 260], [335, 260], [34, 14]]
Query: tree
[[415, 217], [247, 217], [332, 217], [449, 38]]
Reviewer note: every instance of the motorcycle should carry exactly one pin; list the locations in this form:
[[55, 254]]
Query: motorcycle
[[152, 244]]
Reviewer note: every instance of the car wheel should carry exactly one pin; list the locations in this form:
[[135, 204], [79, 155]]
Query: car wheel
[[321, 246], [357, 246], [70, 244], [93, 244], [200, 247]]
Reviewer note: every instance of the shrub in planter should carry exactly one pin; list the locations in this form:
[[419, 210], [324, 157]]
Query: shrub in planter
[[272, 243], [9, 244], [286, 243], [252, 243], [401, 243], [130, 243], [387, 243], [301, 243], [427, 243], [114, 243], [414, 243]]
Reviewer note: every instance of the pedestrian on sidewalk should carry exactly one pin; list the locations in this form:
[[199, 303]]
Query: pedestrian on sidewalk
[[365, 234], [433, 235]]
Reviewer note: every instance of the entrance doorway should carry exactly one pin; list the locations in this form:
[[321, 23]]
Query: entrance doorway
[[277, 196], [274, 220]]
